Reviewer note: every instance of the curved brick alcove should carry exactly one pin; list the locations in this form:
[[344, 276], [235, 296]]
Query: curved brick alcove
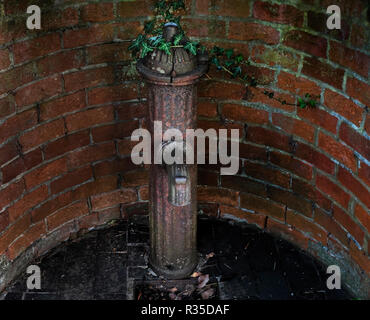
[[68, 108]]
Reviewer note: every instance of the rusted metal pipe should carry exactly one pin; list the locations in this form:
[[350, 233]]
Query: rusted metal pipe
[[171, 81]]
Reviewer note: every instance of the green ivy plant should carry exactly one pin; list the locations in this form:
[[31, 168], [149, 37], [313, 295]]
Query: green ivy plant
[[225, 60]]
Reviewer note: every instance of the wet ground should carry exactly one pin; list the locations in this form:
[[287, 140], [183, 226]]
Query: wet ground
[[243, 262]]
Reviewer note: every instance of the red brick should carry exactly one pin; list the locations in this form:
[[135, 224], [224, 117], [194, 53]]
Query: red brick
[[57, 19], [275, 57], [207, 178], [352, 184], [204, 28], [269, 138], [127, 29], [221, 90], [266, 173], [69, 213], [18, 123], [262, 206], [112, 167], [88, 118], [109, 214], [91, 154], [14, 232], [135, 178], [62, 105], [110, 52], [6, 106], [244, 114], [367, 124], [333, 190], [322, 71], [38, 91], [207, 109], [347, 222], [134, 8], [249, 31], [247, 151], [263, 76], [112, 94], [11, 193], [222, 196], [45, 173], [27, 202], [114, 131], [338, 151], [358, 90], [4, 220], [88, 78], [344, 107], [94, 34], [243, 184], [300, 86], [286, 232], [144, 193], [238, 8], [355, 60], [278, 13], [294, 126], [293, 201], [360, 257], [31, 49], [66, 144], [60, 62], [363, 216], [32, 234], [4, 59], [88, 221], [319, 160], [354, 139], [217, 125], [327, 222], [16, 77], [359, 36], [97, 12], [306, 42], [257, 95], [364, 173], [111, 199], [293, 165], [71, 179], [251, 218], [8, 151], [21, 165], [306, 226], [351, 9], [125, 147], [320, 118], [42, 134], [132, 111]]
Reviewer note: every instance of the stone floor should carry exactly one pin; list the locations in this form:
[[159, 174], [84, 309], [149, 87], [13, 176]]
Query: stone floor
[[247, 264]]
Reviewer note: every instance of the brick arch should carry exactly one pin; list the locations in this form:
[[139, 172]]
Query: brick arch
[[67, 110]]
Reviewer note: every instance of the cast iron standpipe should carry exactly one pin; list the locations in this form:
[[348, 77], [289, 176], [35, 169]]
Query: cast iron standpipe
[[172, 98]]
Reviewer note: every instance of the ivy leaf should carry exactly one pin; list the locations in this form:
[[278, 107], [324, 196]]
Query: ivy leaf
[[166, 47], [312, 103], [218, 51], [229, 63], [178, 5], [237, 71], [301, 103], [136, 44], [161, 4], [155, 41], [149, 26], [177, 40], [229, 53], [239, 59], [145, 49], [192, 47]]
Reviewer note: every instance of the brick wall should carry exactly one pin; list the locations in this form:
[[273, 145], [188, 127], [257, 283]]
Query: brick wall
[[67, 110]]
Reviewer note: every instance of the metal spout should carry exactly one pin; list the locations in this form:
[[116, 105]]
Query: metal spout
[[179, 182], [179, 193]]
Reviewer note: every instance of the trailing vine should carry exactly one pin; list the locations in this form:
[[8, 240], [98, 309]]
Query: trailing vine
[[223, 59]]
